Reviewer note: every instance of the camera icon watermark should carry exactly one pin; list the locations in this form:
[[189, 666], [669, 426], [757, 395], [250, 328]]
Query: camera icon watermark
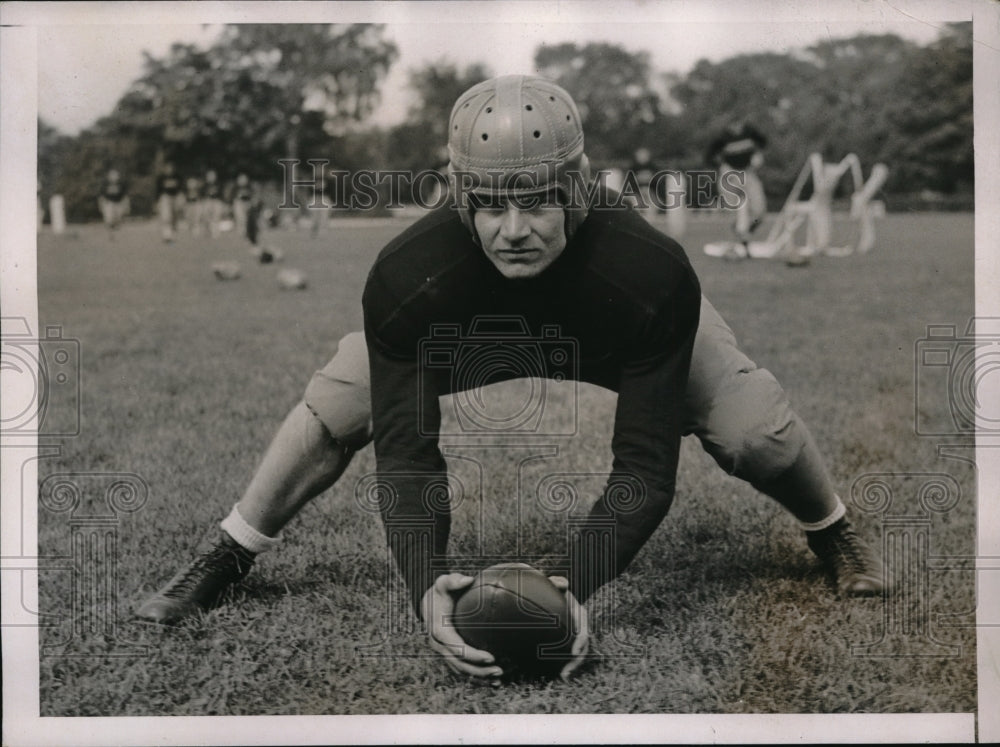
[[496, 349], [41, 377], [957, 380]]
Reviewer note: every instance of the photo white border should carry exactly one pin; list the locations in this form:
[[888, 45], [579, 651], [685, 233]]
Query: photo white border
[[22, 724]]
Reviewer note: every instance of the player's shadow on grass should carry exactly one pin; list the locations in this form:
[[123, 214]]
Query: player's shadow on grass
[[268, 590], [716, 562], [710, 573]]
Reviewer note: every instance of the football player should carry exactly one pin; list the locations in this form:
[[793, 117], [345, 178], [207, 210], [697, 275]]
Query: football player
[[210, 203], [168, 197], [738, 154], [192, 204], [519, 243], [113, 200], [243, 194]]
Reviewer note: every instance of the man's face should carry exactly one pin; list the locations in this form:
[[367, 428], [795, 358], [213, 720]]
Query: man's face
[[521, 240]]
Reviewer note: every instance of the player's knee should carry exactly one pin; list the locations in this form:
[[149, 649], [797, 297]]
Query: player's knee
[[326, 451], [753, 433], [340, 394], [767, 451], [343, 409], [343, 420]]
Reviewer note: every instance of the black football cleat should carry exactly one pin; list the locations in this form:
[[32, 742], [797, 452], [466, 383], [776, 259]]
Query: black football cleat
[[200, 586], [856, 568]]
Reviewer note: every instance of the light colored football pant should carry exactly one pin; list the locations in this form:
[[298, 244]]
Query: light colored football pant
[[751, 205], [167, 207], [113, 212]]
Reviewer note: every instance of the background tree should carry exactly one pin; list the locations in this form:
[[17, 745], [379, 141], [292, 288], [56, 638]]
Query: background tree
[[253, 96], [930, 117], [333, 69], [879, 96], [250, 91], [773, 92], [260, 93], [612, 88], [420, 142]]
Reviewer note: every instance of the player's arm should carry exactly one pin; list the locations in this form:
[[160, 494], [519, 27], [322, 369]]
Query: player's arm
[[645, 445], [412, 475]]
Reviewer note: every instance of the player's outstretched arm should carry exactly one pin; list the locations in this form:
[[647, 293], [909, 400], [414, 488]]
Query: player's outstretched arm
[[645, 444], [437, 606], [581, 628]]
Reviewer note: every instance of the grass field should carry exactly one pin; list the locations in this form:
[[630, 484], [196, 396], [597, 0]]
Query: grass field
[[724, 611]]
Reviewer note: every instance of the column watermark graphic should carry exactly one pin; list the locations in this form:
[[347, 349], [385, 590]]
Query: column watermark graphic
[[907, 625], [378, 494], [94, 503]]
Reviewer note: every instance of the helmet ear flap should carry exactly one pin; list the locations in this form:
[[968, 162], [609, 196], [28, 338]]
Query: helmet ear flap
[[460, 201], [576, 207], [584, 169]]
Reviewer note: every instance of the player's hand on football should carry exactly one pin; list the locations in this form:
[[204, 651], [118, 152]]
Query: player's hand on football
[[581, 628], [437, 605]]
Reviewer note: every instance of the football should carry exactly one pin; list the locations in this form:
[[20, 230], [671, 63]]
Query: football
[[517, 614], [226, 270], [292, 279]]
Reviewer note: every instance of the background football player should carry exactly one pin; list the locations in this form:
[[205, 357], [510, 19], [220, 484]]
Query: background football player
[[113, 200], [738, 154]]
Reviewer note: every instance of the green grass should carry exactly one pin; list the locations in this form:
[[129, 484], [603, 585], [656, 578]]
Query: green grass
[[724, 611]]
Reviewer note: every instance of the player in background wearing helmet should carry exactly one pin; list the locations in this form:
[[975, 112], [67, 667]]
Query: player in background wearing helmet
[[738, 154], [113, 200], [643, 169], [520, 244], [210, 203], [192, 204], [658, 191], [243, 194], [168, 200]]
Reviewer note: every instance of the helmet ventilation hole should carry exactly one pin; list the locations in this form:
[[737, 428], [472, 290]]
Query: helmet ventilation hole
[[489, 109], [528, 107], [485, 136], [537, 134]]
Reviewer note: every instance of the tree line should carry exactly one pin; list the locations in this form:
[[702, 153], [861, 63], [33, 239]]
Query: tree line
[[261, 93]]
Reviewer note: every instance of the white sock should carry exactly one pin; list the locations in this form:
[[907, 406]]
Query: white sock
[[836, 515], [236, 527]]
